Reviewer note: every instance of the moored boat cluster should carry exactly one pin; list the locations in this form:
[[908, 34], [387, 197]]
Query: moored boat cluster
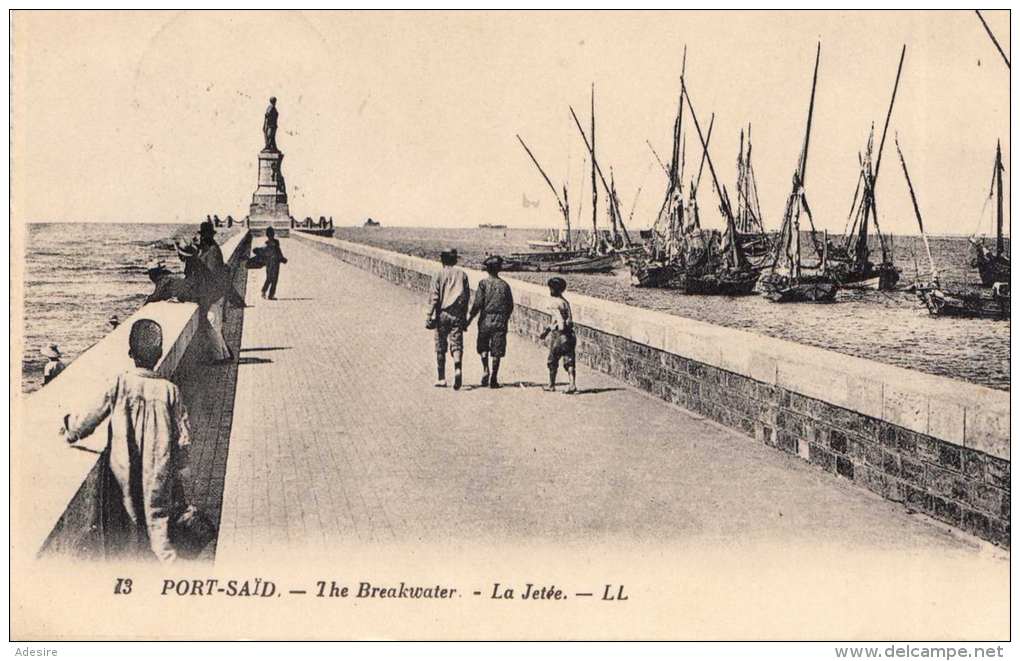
[[797, 263]]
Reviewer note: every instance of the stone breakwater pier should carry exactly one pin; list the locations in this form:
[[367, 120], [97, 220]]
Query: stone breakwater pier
[[327, 430]]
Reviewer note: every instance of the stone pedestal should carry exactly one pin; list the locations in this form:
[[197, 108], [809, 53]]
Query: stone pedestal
[[269, 201]]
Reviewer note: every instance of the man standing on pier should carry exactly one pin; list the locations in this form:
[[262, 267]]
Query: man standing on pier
[[274, 257], [448, 306], [493, 305], [213, 290]]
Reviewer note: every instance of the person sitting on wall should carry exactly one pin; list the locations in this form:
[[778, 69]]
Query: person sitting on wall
[[170, 287], [147, 448], [448, 305], [493, 304], [54, 365]]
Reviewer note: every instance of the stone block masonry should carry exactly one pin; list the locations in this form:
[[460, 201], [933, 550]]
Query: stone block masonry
[[940, 447]]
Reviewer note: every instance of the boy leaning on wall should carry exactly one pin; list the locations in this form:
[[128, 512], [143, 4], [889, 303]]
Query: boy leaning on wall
[[148, 445]]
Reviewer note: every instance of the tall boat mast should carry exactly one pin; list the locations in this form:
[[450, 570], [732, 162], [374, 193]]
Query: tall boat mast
[[737, 258], [789, 243], [785, 281], [994, 268], [605, 184], [594, 166], [999, 243], [878, 161]]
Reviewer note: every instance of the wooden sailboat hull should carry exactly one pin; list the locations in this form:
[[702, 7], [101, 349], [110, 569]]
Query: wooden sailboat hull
[[810, 289], [656, 275], [544, 245], [992, 268], [974, 305], [548, 256], [597, 264], [723, 284], [882, 277], [582, 263]]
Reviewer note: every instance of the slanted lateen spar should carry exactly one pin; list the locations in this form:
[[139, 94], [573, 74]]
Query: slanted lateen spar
[[850, 263], [603, 251], [944, 302], [682, 256], [789, 279]]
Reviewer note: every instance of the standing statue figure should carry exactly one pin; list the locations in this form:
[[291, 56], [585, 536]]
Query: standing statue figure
[[269, 125]]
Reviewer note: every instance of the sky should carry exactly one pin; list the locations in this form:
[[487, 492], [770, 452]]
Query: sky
[[410, 117]]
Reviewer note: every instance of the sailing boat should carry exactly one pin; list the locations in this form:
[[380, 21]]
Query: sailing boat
[[558, 251], [788, 279], [851, 263], [691, 259], [664, 259], [731, 274], [941, 302], [615, 243], [751, 233], [993, 268], [599, 256]]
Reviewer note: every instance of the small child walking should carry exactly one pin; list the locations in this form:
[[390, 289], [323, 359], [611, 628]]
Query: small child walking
[[562, 341], [148, 444]]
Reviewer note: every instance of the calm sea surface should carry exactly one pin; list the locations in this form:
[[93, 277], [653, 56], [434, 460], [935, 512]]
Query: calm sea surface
[[890, 327], [80, 274]]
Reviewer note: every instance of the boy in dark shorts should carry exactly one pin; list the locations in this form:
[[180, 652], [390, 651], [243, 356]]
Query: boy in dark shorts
[[562, 341], [493, 306]]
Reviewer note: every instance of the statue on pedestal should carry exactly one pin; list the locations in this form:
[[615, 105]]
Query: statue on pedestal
[[269, 125]]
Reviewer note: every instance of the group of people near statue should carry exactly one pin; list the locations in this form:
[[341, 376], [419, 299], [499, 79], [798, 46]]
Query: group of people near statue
[[215, 220], [322, 223], [452, 309]]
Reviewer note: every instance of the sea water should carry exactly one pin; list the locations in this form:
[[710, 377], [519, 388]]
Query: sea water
[[79, 274]]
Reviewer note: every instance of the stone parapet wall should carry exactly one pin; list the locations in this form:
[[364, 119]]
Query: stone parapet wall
[[61, 513], [936, 445]]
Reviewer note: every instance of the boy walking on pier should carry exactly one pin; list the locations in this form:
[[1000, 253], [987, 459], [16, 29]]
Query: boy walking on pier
[[493, 305], [448, 305], [148, 443], [562, 342]]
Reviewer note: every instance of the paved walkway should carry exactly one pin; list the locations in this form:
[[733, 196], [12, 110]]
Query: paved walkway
[[339, 438]]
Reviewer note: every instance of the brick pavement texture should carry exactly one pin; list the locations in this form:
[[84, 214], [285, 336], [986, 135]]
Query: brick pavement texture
[[339, 437]]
